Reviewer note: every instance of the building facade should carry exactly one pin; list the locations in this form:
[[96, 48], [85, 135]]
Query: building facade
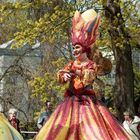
[[16, 68]]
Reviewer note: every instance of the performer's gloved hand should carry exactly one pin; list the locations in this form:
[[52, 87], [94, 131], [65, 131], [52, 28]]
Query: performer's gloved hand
[[67, 77]]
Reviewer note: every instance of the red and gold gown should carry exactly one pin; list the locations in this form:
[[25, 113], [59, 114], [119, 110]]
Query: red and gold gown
[[81, 116]]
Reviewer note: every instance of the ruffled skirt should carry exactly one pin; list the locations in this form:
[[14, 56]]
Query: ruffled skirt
[[80, 118]]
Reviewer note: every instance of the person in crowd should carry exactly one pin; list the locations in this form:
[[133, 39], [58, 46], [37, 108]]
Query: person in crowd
[[44, 115], [131, 123], [7, 131], [12, 118], [81, 116]]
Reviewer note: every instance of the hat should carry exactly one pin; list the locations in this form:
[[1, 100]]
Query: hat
[[85, 28]]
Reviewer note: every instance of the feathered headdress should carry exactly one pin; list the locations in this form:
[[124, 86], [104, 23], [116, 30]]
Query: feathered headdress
[[85, 28]]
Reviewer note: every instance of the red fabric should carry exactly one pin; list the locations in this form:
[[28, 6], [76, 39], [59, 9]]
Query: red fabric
[[79, 118], [84, 92], [15, 123]]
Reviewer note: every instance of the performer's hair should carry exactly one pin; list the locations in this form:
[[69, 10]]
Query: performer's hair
[[104, 64]]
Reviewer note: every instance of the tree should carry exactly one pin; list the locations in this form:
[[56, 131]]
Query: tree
[[49, 22], [11, 17], [115, 12]]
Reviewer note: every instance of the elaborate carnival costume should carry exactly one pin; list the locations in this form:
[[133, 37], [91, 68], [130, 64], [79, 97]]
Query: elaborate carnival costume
[[7, 131], [81, 116]]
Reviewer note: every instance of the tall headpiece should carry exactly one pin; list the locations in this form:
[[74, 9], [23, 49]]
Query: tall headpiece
[[85, 28]]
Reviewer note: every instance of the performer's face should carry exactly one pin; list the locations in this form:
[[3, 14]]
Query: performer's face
[[77, 51]]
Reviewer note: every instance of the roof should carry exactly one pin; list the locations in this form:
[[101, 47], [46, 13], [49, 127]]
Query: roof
[[31, 51]]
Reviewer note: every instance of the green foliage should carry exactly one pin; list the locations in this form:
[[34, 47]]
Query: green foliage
[[50, 21], [28, 126], [124, 21], [11, 15], [50, 27], [45, 85]]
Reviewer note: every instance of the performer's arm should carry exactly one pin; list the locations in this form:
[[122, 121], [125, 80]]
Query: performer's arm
[[65, 74], [89, 74]]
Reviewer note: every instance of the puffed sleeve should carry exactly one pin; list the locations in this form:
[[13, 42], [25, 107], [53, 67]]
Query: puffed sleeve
[[89, 73], [66, 69]]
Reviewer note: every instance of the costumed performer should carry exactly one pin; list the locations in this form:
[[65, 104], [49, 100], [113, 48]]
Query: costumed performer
[[81, 116]]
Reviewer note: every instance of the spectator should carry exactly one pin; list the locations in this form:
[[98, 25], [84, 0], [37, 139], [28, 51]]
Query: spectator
[[44, 115], [131, 123], [12, 117], [7, 132]]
